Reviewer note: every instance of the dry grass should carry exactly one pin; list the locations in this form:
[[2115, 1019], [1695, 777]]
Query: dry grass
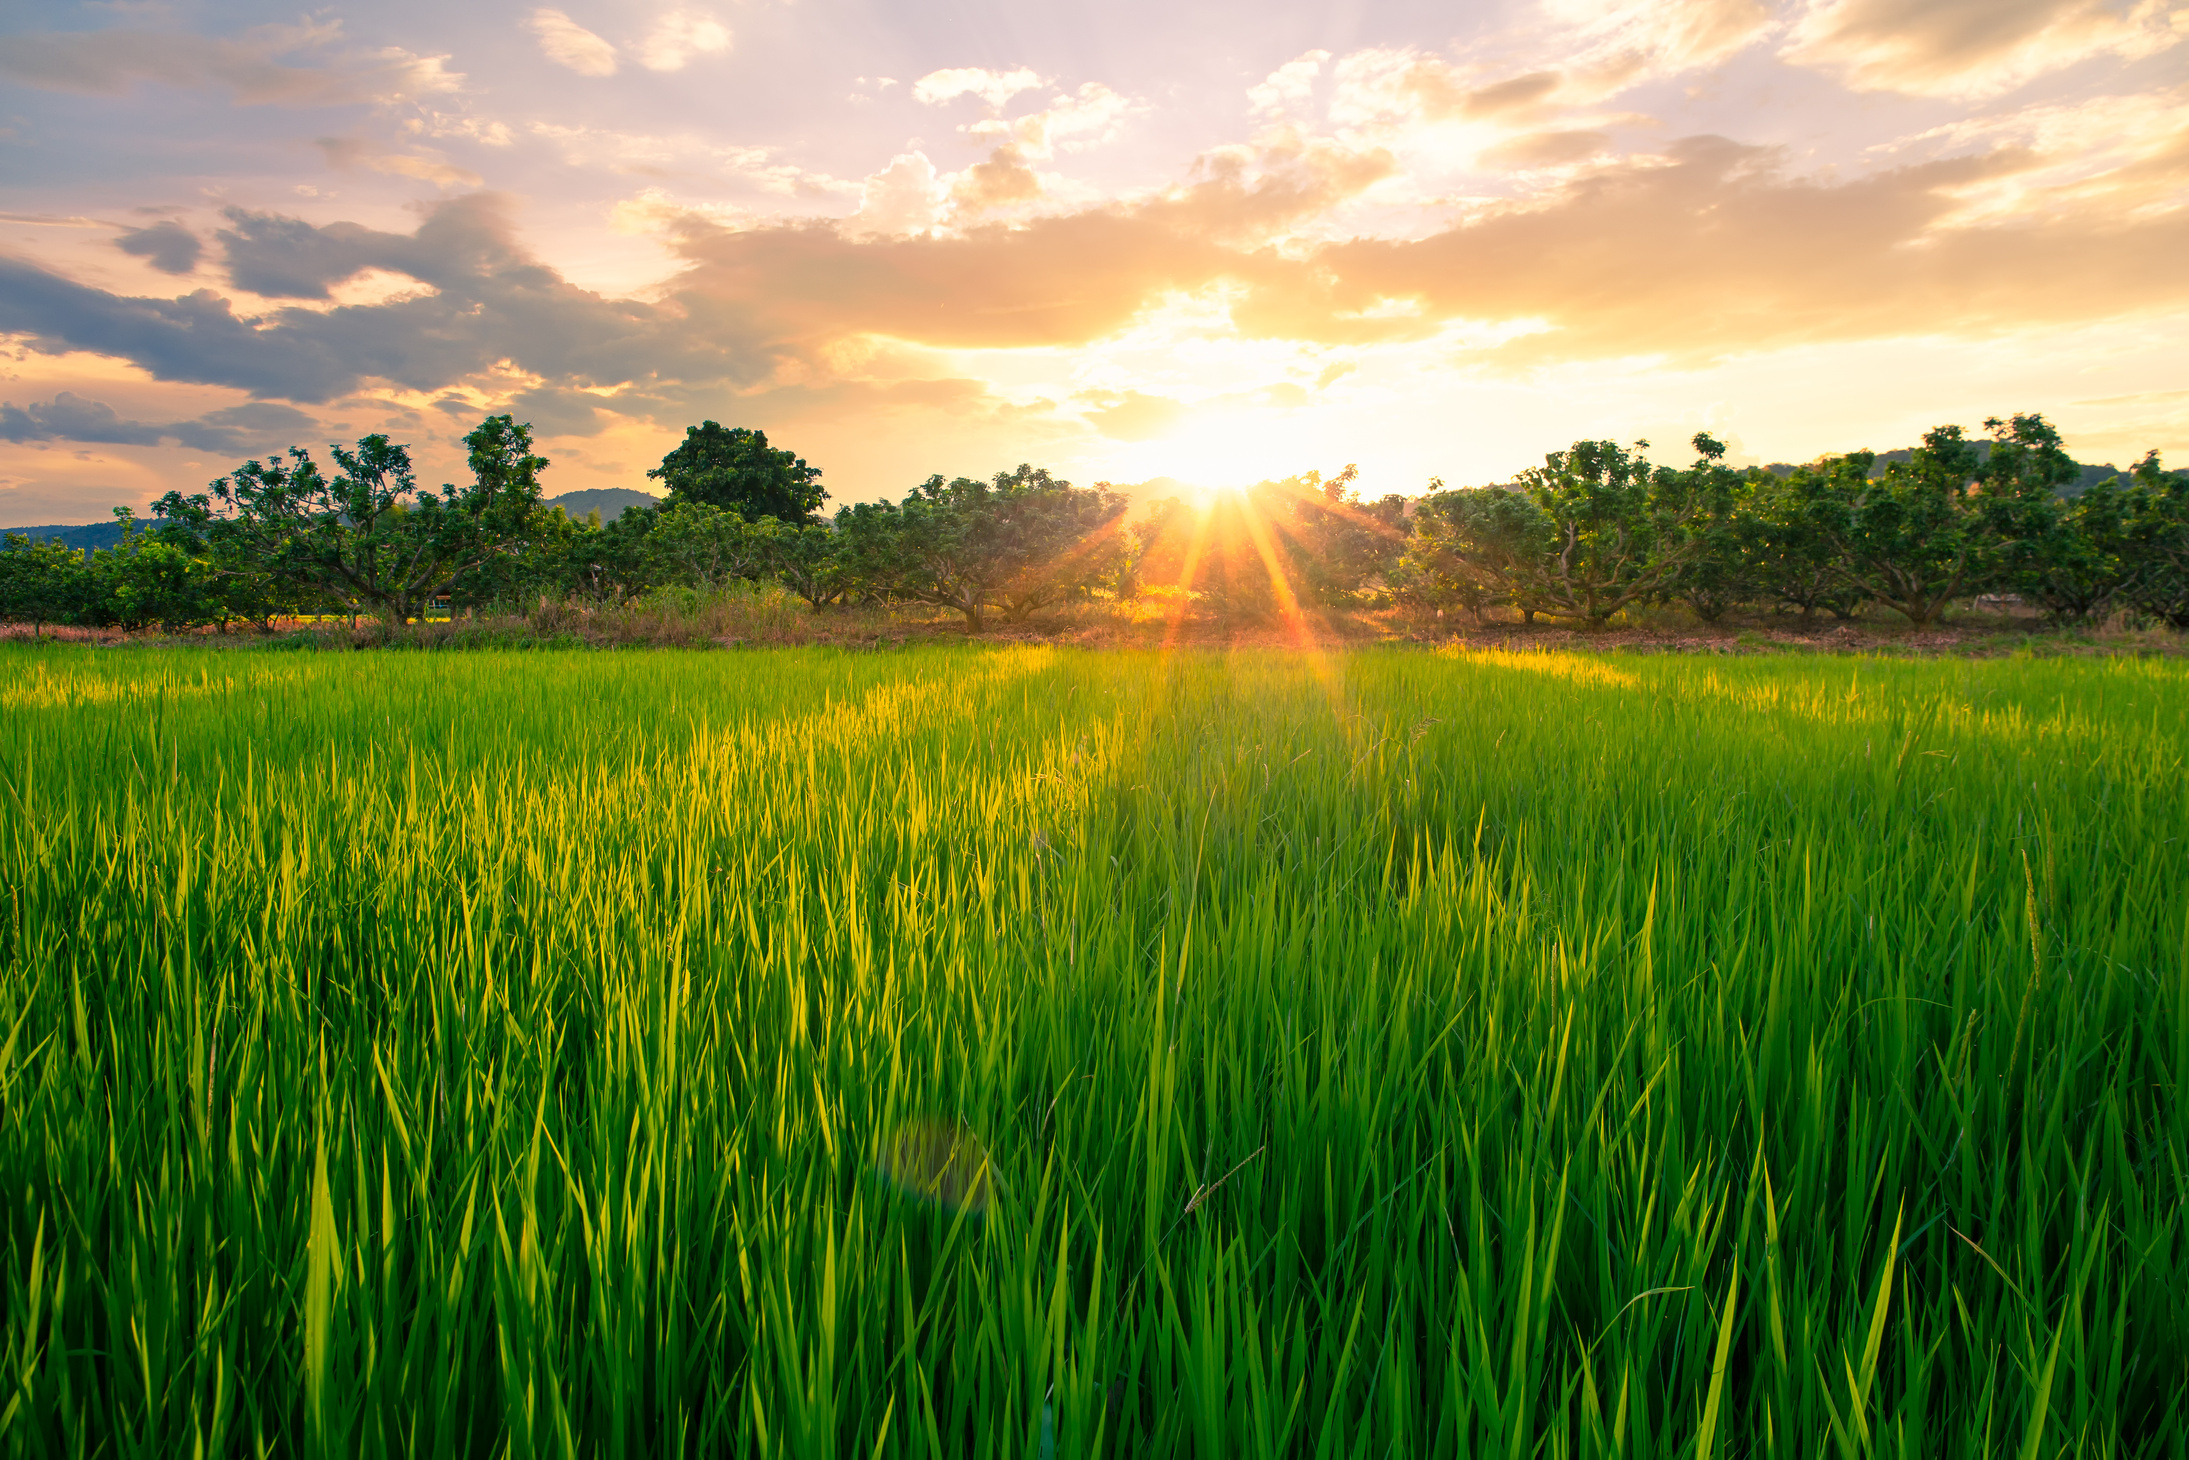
[[766, 616]]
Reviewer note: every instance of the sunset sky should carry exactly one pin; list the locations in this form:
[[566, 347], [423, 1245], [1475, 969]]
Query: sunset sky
[[1212, 241]]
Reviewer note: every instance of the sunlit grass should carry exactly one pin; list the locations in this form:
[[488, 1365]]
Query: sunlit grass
[[961, 1052]]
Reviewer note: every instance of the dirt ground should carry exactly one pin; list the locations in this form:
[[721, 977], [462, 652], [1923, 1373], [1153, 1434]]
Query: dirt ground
[[1158, 625]]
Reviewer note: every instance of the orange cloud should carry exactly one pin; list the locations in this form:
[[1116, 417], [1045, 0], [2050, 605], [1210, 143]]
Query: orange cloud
[[1968, 47]]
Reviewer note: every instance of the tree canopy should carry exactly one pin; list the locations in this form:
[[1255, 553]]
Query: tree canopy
[[735, 469]]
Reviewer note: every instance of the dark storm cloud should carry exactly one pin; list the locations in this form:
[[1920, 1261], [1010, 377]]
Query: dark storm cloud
[[68, 416], [168, 247]]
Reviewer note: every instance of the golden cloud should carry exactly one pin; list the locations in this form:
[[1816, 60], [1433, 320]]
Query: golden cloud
[[1968, 47]]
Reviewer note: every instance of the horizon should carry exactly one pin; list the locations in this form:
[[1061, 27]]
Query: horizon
[[1218, 246]]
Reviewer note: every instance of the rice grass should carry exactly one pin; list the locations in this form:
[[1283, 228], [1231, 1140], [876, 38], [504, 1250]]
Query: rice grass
[[1388, 1053]]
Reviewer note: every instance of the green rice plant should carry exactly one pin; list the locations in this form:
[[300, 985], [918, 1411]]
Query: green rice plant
[[1014, 1051]]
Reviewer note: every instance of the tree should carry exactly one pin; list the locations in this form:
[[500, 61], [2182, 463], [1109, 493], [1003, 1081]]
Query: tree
[[1619, 530], [616, 564], [708, 547], [2067, 555], [1720, 568], [1016, 543], [809, 561], [1335, 546], [370, 539], [2155, 543], [1793, 560], [1911, 538], [1469, 547], [149, 578], [41, 582], [1941, 524], [736, 470]]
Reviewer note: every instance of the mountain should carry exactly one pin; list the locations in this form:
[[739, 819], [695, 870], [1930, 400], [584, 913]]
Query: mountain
[[2091, 475], [89, 535], [608, 501]]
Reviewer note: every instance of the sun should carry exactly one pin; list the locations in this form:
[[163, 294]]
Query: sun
[[1215, 448]]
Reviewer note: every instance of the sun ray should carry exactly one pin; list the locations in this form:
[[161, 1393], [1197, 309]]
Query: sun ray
[[1303, 632], [1188, 572]]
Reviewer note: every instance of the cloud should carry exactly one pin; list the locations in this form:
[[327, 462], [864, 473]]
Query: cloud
[[1288, 86], [993, 87], [2102, 155], [1711, 250], [552, 410], [344, 153], [1548, 149], [1131, 416], [1968, 48], [105, 62], [1508, 95], [1086, 118], [678, 37], [71, 417], [486, 302], [168, 247], [1385, 90], [1002, 180], [902, 198], [567, 43], [1706, 250], [1614, 44]]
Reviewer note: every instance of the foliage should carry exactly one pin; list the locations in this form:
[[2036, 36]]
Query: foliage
[[736, 470], [2155, 542], [708, 548], [1469, 546], [369, 539], [1595, 530], [1913, 538], [41, 582], [1720, 567], [1383, 1054], [810, 562], [1620, 530], [1017, 543], [1793, 561]]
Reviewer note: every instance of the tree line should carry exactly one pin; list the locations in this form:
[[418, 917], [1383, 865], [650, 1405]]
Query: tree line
[[1596, 530]]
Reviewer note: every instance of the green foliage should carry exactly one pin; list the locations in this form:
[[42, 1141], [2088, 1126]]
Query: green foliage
[[41, 582], [1472, 547], [1723, 545], [1017, 543], [1794, 562], [736, 470], [369, 539], [810, 562], [492, 1055], [1596, 529], [1620, 531], [709, 548], [2155, 542]]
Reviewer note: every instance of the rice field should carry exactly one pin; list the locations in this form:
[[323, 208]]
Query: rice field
[[1021, 1052]]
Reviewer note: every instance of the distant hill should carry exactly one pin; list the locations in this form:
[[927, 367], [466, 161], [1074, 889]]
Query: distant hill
[[89, 535], [2091, 475], [608, 501]]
